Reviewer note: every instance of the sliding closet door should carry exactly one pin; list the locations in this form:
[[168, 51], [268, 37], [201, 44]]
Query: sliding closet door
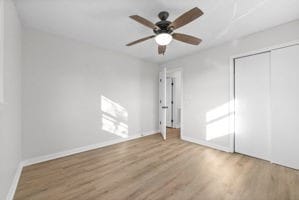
[[285, 106], [252, 105]]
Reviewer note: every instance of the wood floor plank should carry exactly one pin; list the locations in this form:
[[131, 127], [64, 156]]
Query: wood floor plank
[[150, 168]]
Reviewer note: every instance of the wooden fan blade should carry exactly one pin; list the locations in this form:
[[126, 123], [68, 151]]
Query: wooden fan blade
[[161, 49], [186, 38], [186, 18], [144, 22], [140, 40]]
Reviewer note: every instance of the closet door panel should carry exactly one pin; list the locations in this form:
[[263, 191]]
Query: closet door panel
[[285, 106], [252, 105]]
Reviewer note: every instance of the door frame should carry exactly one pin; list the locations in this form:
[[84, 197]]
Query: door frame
[[178, 69], [232, 88], [171, 107]]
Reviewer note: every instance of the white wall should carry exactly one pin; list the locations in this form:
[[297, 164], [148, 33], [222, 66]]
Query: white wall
[[75, 94], [1, 51], [10, 111], [206, 84]]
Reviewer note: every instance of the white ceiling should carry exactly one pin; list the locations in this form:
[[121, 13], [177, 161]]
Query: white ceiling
[[107, 25]]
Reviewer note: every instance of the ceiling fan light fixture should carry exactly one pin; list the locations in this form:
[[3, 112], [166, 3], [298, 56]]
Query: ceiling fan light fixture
[[163, 39], [164, 29]]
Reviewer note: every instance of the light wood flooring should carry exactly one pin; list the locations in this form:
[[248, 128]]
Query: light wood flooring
[[150, 168]]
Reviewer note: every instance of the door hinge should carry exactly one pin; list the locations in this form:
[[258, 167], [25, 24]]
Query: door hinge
[[171, 102], [172, 121], [172, 84], [160, 123], [160, 80]]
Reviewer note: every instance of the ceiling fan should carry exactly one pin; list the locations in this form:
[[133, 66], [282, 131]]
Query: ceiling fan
[[164, 29]]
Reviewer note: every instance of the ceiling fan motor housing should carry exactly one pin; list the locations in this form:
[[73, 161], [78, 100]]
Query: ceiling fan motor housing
[[163, 24], [163, 15]]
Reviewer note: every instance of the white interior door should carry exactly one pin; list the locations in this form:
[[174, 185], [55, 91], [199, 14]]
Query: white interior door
[[252, 87], [162, 103], [285, 106], [169, 100]]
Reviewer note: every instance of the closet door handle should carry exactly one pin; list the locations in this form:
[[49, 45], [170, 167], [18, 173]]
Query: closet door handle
[[164, 107]]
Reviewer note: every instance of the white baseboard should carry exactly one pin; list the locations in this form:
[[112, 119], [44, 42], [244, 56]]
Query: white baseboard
[[53, 156], [147, 133], [15, 181], [206, 143], [44, 158], [178, 125], [284, 164]]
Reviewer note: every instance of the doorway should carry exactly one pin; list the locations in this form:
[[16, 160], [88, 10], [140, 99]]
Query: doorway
[[171, 103]]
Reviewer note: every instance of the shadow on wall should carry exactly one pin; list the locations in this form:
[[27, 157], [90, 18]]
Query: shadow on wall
[[218, 121], [114, 118]]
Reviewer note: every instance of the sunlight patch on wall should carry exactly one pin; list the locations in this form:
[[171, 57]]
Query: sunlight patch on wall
[[218, 121], [113, 109], [217, 112], [218, 128], [112, 126], [114, 118]]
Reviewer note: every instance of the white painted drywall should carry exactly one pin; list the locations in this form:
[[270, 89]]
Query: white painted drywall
[[110, 27], [206, 82], [10, 112], [1, 51], [75, 94]]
